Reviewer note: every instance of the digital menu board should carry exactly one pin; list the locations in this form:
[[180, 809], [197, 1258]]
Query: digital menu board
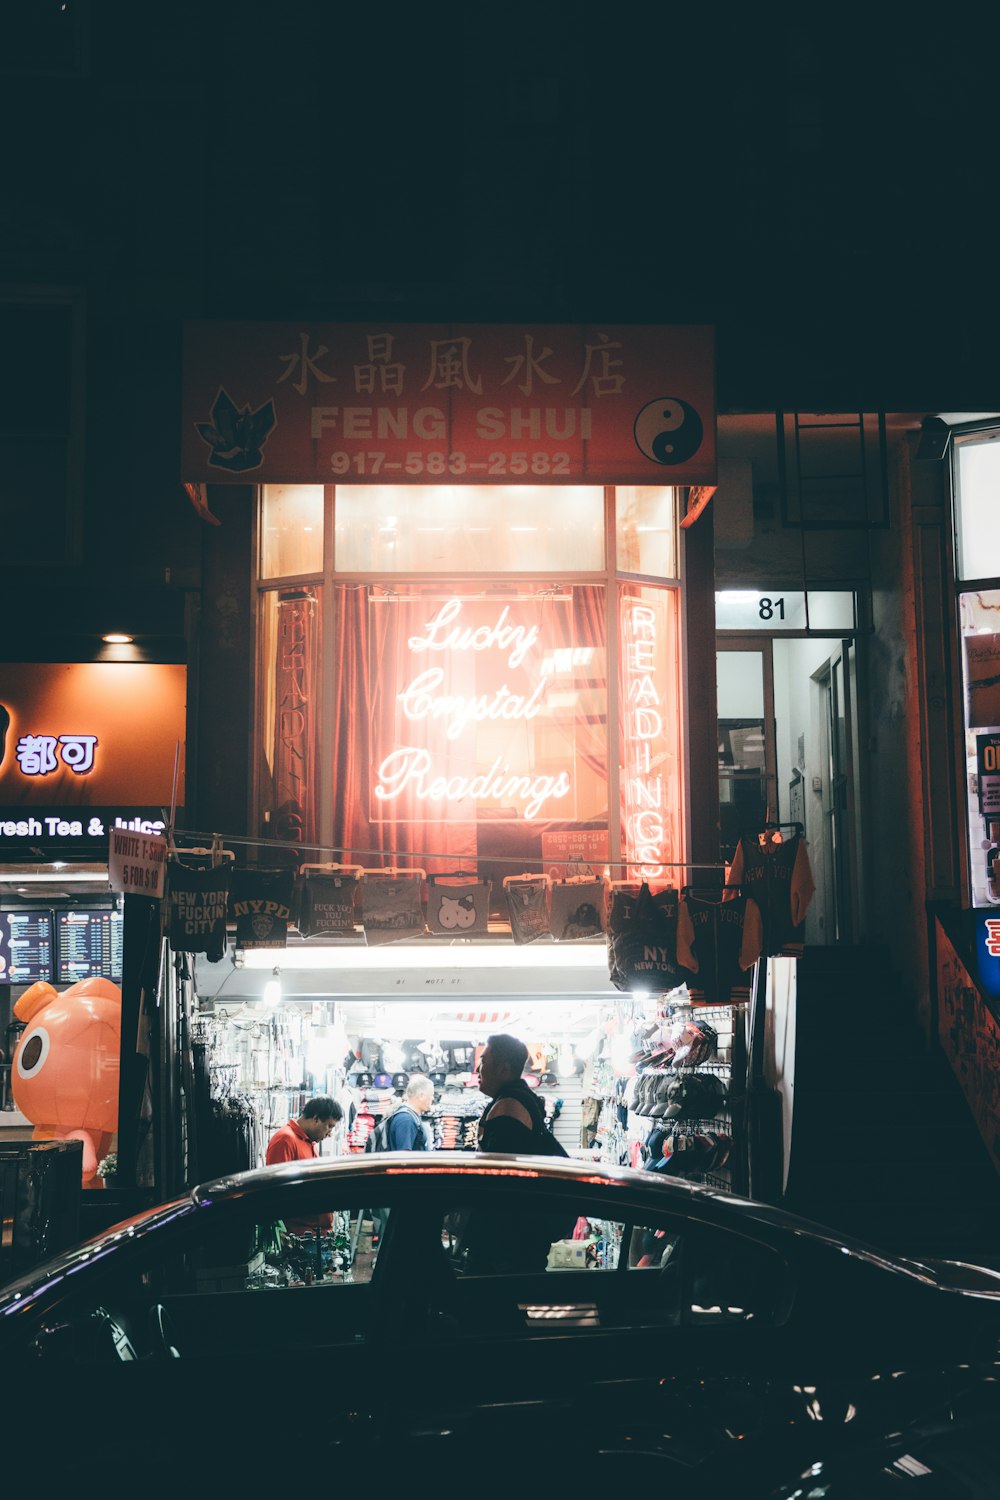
[[25, 946], [88, 945]]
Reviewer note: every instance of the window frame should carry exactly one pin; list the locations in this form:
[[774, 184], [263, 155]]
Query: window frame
[[609, 579]]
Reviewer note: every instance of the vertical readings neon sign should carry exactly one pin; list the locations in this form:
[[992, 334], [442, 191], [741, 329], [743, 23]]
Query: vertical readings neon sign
[[646, 836]]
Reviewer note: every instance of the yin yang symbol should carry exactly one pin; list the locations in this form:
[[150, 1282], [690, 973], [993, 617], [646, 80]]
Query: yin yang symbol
[[668, 430]]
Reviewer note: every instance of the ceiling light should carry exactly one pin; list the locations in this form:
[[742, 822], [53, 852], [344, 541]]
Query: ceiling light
[[431, 956], [117, 639]]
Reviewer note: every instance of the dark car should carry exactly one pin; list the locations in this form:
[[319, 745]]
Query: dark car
[[543, 1320]]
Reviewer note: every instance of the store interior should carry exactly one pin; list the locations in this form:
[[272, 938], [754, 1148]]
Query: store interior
[[358, 1025]]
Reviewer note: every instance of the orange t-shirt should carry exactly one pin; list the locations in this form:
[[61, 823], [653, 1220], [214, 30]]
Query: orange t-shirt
[[291, 1143]]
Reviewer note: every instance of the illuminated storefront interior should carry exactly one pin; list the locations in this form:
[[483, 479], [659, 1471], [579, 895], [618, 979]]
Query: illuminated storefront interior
[[475, 677]]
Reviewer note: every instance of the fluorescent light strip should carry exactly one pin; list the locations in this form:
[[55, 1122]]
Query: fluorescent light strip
[[58, 877], [429, 956]]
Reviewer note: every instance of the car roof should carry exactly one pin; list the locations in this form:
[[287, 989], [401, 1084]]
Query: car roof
[[710, 1204]]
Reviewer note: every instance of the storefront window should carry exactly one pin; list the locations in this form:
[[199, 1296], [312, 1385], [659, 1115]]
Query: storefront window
[[979, 614], [462, 722], [475, 528], [977, 497], [646, 530], [291, 533]]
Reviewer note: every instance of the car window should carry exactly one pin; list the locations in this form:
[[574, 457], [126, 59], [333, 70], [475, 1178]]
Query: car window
[[338, 1248], [663, 1270], [229, 1280], [729, 1278], [485, 1241]]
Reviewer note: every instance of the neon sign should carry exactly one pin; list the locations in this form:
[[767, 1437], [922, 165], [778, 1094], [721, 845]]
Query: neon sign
[[646, 834], [411, 767], [426, 700], [514, 639], [418, 701], [36, 753]]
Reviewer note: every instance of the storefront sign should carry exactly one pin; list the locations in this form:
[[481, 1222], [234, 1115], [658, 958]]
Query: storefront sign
[[647, 806], [408, 404], [83, 830], [136, 862], [988, 778], [968, 1031], [69, 734]]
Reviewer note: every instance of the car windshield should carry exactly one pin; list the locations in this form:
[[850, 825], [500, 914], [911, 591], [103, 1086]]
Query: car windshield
[[13, 1292]]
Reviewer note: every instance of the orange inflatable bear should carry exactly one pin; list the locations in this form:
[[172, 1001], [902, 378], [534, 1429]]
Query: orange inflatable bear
[[65, 1070]]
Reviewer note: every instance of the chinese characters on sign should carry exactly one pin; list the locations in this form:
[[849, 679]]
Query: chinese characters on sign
[[292, 403], [992, 936], [36, 753]]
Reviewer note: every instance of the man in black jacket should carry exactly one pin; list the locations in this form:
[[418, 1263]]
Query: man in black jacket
[[515, 1121], [495, 1242]]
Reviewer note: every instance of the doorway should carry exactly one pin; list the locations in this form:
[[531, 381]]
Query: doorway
[[835, 831], [787, 749], [748, 768]]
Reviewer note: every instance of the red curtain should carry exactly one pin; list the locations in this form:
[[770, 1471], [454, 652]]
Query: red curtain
[[375, 663], [294, 797]]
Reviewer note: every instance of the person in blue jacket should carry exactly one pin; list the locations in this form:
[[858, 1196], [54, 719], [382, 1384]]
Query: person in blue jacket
[[405, 1129]]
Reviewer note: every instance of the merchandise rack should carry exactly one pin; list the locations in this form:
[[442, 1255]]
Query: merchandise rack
[[730, 1064]]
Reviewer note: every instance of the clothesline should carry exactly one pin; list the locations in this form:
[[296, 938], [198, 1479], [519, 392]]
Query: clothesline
[[391, 855]]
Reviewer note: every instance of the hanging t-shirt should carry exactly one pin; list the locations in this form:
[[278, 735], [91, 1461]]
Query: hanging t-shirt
[[392, 907], [326, 904], [717, 942], [778, 876], [197, 901], [575, 909], [621, 905], [642, 940], [458, 908], [528, 906], [260, 903]]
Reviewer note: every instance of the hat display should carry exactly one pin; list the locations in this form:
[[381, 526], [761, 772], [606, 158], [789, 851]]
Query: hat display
[[400, 1080]]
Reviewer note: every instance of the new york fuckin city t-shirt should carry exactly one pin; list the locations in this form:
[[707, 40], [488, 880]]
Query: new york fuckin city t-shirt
[[197, 902]]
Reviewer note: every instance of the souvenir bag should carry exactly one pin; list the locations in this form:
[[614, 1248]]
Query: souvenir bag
[[391, 905], [197, 901], [327, 899], [458, 905], [528, 905], [260, 903], [576, 909], [643, 948]]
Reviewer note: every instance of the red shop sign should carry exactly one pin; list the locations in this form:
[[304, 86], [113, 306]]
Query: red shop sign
[[426, 403]]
